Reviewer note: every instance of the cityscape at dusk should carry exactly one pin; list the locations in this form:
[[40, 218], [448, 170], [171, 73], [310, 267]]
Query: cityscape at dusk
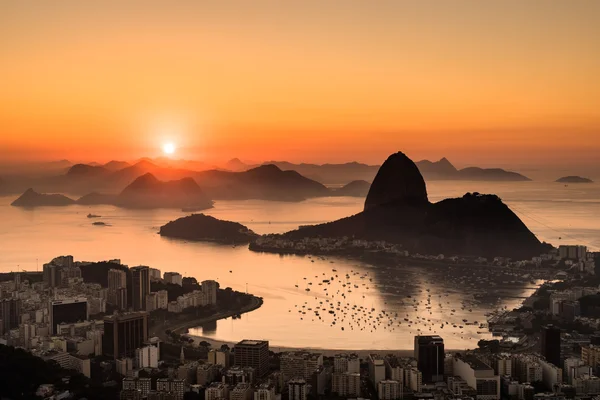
[[303, 200]]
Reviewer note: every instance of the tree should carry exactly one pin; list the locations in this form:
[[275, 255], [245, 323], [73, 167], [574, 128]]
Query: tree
[[204, 343]]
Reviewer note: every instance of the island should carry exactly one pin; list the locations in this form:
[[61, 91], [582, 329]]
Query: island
[[358, 188], [31, 198], [201, 227], [574, 179], [100, 223]]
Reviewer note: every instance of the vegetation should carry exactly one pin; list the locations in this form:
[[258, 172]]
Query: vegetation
[[27, 372]]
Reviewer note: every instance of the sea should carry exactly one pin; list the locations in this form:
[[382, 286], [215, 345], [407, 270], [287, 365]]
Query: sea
[[309, 301]]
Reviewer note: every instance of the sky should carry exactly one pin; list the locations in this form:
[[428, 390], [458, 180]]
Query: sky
[[503, 83]]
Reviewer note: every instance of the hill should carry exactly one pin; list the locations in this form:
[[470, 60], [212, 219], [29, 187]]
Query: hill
[[353, 189], [31, 198], [149, 192], [397, 210], [574, 179], [266, 182], [206, 228]]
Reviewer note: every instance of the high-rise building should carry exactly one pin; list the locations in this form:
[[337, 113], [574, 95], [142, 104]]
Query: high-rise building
[[68, 273], [218, 356], [176, 386], [388, 390], [478, 375], [376, 369], [297, 389], [241, 391], [123, 333], [143, 385], [429, 352], [265, 392], [140, 281], [346, 363], [216, 391], [151, 301], [121, 299], [253, 353], [51, 275], [10, 312], [551, 344], [173, 277], [210, 288], [299, 364], [67, 311], [117, 279], [346, 384], [162, 299], [147, 357], [572, 252]]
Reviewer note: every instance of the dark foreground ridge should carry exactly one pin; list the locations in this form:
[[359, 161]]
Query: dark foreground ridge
[[206, 228], [397, 210]]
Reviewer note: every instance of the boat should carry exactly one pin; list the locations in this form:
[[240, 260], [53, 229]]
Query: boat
[[93, 216]]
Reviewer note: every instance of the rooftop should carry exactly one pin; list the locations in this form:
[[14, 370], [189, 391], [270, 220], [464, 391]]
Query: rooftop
[[247, 342]]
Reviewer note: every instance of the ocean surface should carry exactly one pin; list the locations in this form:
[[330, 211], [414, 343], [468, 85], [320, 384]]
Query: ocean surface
[[361, 306]]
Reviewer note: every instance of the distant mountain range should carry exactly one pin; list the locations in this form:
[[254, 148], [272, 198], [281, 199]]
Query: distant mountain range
[[348, 172], [397, 210], [144, 192]]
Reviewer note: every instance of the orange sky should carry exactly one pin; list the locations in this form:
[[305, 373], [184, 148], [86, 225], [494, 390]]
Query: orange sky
[[488, 82]]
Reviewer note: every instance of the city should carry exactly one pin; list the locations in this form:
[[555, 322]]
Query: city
[[125, 330]]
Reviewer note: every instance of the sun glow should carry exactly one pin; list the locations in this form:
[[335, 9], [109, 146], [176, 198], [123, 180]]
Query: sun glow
[[169, 148]]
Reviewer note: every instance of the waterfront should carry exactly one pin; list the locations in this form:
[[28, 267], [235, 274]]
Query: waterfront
[[572, 213]]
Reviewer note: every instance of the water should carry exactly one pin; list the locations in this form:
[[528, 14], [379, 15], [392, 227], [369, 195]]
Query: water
[[28, 238]]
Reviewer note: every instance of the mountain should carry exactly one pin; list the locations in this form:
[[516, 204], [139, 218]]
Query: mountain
[[86, 170], [207, 228], [266, 182], [353, 189], [490, 174], [433, 170], [31, 198], [149, 192], [574, 179], [116, 165], [348, 172], [397, 210]]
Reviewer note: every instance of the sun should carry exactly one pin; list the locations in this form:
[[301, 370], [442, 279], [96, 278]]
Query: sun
[[169, 148]]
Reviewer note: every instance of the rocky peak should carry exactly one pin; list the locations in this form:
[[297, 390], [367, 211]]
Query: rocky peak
[[397, 181]]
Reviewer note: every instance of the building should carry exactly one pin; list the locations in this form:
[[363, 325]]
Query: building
[[550, 344], [210, 288], [175, 386], [140, 287], [572, 252], [299, 364], [429, 352], [205, 374], [162, 299], [66, 274], [121, 300], [117, 279], [590, 355], [143, 385], [552, 376], [346, 384], [346, 363], [297, 389], [124, 366], [265, 392], [477, 375], [174, 278], [218, 356], [216, 391], [388, 390], [130, 394], [252, 353], [154, 274], [241, 391], [151, 301], [147, 357], [376, 369], [123, 333], [235, 375], [10, 313], [75, 362], [67, 311]]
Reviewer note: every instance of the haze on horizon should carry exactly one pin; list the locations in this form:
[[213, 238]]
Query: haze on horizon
[[507, 83]]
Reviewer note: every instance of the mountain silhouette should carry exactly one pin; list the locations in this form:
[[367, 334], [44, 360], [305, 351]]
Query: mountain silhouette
[[397, 210]]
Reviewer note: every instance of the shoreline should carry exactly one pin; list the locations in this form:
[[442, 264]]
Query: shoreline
[[183, 327]]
